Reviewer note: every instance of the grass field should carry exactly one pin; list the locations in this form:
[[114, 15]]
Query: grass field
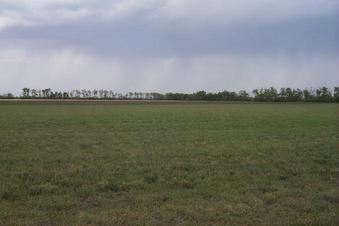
[[169, 164]]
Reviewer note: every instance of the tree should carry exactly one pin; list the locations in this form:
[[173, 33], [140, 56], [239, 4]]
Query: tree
[[336, 94], [270, 94], [25, 92], [34, 93], [46, 93], [307, 95], [225, 95], [298, 94], [259, 94], [95, 93], [106, 94], [78, 93], [243, 95], [101, 93], [323, 94], [65, 95], [289, 95], [200, 95]]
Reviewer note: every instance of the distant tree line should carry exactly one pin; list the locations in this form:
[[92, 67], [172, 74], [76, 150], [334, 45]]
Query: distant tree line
[[322, 94], [7, 96]]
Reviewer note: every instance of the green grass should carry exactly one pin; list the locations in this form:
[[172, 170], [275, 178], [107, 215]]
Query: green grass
[[169, 164]]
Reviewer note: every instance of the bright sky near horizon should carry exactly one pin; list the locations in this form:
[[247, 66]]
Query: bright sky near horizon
[[168, 45]]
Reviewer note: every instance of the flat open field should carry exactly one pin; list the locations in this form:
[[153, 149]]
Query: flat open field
[[169, 164]]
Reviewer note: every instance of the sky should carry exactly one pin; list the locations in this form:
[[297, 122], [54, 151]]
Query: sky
[[168, 45]]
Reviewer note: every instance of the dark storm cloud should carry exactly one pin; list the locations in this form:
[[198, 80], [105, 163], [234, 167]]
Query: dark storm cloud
[[145, 38]]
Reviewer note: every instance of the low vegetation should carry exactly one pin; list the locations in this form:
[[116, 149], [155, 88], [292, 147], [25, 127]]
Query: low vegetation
[[169, 164], [322, 94]]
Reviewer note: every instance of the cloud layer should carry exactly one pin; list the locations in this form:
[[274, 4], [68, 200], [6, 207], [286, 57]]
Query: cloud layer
[[163, 45]]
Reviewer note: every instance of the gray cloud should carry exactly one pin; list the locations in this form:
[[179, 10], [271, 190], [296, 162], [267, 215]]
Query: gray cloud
[[141, 39], [168, 44]]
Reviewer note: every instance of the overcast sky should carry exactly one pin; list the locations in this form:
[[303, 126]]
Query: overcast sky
[[168, 45]]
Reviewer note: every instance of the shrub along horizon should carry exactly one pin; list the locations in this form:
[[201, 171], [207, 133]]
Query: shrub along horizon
[[322, 94]]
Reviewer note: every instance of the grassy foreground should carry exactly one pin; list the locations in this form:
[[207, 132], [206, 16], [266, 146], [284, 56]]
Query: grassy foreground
[[169, 164]]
